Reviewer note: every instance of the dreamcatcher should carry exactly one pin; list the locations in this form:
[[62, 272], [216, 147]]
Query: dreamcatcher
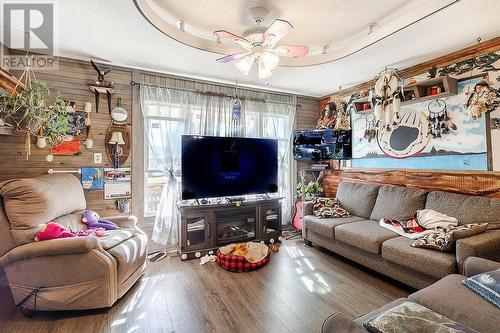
[[388, 87], [371, 127], [439, 120]]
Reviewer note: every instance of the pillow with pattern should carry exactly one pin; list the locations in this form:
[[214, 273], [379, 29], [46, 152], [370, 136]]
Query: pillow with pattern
[[487, 285], [328, 207], [445, 239]]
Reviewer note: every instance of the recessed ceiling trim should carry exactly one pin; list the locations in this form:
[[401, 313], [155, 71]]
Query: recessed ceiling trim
[[415, 12]]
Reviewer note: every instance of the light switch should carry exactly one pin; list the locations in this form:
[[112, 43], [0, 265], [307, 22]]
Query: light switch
[[97, 158]]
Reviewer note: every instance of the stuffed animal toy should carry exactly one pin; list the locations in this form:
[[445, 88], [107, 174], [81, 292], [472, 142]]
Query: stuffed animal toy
[[94, 221], [52, 230]]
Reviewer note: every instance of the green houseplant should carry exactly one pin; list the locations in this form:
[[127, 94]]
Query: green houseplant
[[29, 112], [309, 189]]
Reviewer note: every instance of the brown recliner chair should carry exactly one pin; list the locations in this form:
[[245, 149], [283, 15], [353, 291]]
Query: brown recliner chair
[[70, 273]]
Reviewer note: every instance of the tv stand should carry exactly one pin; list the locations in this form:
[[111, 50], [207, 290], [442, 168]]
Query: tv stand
[[204, 228]]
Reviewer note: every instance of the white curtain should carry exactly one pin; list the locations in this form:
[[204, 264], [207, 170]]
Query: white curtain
[[170, 113]]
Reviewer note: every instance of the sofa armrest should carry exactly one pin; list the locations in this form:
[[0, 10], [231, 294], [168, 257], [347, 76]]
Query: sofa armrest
[[485, 245], [475, 265], [50, 248], [123, 221], [307, 208], [339, 322]]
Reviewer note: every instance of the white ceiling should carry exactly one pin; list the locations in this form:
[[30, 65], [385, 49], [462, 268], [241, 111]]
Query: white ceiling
[[115, 31]]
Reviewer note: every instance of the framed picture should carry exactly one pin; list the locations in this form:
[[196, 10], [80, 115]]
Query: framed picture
[[92, 178]]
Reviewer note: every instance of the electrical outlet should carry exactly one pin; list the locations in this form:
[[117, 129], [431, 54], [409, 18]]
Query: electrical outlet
[[97, 158]]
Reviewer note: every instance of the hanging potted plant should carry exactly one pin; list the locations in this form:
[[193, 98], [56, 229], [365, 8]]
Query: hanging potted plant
[[29, 112]]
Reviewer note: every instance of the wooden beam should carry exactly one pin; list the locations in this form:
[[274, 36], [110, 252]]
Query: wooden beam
[[482, 183]]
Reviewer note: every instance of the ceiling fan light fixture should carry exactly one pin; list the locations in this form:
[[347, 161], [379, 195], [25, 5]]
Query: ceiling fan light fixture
[[269, 60], [245, 64]]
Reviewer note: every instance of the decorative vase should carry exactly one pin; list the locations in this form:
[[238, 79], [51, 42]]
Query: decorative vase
[[41, 142]]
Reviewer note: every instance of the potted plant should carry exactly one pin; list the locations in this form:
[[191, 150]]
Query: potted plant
[[309, 189], [29, 112]]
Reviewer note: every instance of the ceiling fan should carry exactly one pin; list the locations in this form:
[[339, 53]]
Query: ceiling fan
[[260, 45]]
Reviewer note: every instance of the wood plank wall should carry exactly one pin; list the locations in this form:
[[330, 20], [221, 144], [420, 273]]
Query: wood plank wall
[[466, 182], [71, 81]]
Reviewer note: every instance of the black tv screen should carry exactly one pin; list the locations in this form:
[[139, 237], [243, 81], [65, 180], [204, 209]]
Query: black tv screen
[[317, 145], [222, 166]]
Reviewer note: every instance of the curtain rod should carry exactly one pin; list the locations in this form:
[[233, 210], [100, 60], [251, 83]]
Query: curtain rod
[[139, 84]]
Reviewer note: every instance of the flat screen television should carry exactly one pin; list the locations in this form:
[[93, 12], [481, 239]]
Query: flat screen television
[[223, 166], [317, 145]]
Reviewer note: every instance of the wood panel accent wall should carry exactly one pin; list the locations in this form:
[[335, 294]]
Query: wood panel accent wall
[[466, 182], [71, 81]]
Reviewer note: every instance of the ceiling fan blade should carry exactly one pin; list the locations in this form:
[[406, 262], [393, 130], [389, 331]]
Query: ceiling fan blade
[[234, 38], [275, 32], [245, 64], [294, 51], [232, 57]]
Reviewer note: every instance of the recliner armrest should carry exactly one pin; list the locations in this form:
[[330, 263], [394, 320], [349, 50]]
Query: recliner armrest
[[50, 248], [485, 245], [123, 221], [339, 322], [475, 265]]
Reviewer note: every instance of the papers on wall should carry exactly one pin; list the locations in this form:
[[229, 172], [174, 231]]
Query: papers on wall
[[117, 183], [92, 178]]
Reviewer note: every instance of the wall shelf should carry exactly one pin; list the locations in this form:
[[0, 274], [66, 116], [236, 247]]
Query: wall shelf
[[423, 90], [359, 105]]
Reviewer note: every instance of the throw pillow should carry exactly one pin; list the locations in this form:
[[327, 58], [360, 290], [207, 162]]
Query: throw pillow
[[487, 285], [328, 207], [413, 317], [445, 239]]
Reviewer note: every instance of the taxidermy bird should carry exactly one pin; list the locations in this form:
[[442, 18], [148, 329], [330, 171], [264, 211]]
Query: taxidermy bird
[[432, 72], [102, 82]]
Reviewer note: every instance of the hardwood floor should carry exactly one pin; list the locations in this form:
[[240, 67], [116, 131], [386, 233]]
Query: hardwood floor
[[295, 292]]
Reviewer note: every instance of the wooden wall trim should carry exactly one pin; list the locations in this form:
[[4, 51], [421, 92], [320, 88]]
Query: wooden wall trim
[[465, 182], [485, 47]]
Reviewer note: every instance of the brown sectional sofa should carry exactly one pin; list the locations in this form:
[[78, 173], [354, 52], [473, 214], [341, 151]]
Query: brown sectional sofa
[[361, 239], [73, 273], [448, 297]]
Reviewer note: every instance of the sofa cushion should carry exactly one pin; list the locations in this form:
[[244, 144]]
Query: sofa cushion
[[357, 199], [326, 226], [399, 250], [397, 202], [466, 208], [130, 255], [365, 235], [452, 299], [32, 201]]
